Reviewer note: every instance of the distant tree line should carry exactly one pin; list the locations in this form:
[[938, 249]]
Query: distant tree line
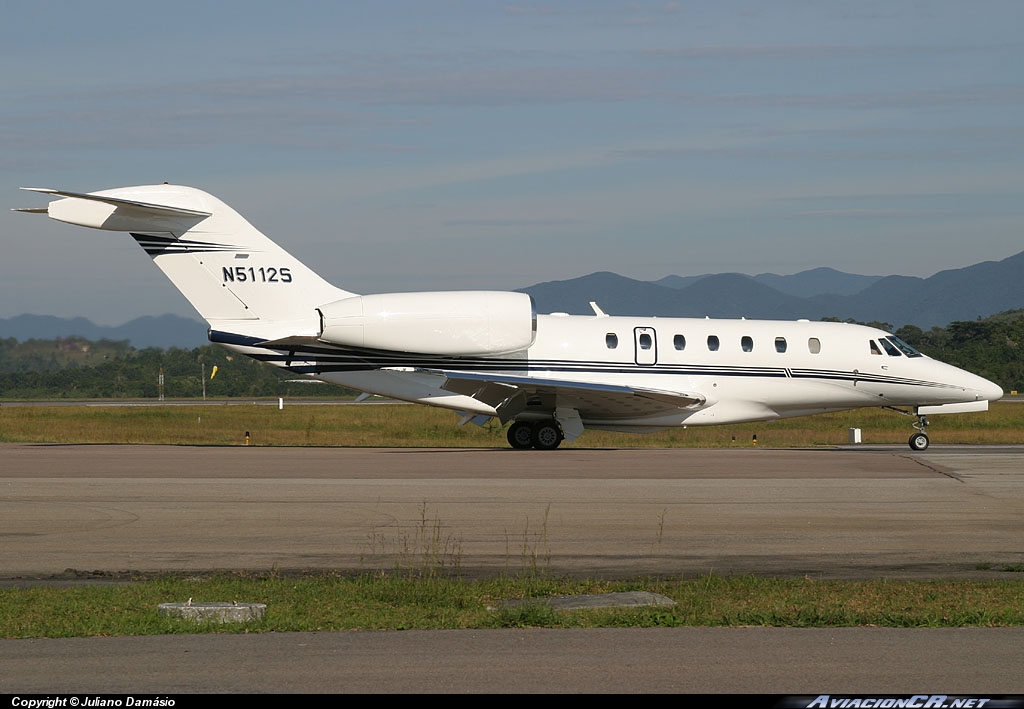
[[74, 368]]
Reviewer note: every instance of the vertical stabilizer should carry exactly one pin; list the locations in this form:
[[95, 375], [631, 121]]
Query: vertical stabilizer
[[226, 268]]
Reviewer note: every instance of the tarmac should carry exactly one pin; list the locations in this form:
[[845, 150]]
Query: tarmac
[[92, 514], [830, 514]]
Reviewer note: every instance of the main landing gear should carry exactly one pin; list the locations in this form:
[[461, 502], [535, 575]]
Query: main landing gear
[[542, 435]]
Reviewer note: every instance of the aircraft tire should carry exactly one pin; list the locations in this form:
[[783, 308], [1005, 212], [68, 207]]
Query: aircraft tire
[[918, 442], [520, 435], [546, 436]]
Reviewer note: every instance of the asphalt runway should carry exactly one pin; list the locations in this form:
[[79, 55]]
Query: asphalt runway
[[69, 510], [75, 514], [797, 661]]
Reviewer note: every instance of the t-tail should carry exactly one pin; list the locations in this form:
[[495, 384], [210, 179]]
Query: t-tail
[[234, 276]]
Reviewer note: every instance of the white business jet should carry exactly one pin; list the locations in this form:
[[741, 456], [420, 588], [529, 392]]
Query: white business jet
[[489, 354]]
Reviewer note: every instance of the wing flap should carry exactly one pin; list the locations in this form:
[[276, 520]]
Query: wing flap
[[489, 392]]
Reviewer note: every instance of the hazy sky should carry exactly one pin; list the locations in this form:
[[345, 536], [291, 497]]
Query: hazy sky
[[450, 145]]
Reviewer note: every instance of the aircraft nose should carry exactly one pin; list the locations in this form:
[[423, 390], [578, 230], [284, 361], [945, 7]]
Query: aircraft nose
[[984, 389], [976, 386], [991, 391]]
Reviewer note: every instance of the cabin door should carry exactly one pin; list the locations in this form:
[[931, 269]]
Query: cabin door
[[646, 344]]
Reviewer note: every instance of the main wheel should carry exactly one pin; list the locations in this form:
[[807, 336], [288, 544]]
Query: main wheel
[[546, 436], [520, 435], [918, 442]]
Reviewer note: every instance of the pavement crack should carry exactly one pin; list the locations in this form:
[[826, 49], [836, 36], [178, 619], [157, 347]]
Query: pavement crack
[[935, 468]]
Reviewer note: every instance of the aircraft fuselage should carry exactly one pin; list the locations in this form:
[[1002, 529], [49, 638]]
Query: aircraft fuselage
[[748, 370]]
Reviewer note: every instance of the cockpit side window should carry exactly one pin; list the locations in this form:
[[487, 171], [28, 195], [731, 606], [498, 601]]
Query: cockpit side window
[[890, 348], [874, 348]]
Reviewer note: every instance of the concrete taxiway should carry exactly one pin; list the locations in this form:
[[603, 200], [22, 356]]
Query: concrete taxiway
[[91, 512]]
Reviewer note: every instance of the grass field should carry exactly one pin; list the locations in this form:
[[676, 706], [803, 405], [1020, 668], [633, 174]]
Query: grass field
[[404, 602], [415, 426]]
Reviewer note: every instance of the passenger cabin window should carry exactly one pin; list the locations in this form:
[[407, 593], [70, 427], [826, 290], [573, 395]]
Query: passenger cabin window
[[645, 341], [747, 344], [780, 344], [814, 345], [713, 343], [680, 342], [874, 348], [890, 348], [612, 340]]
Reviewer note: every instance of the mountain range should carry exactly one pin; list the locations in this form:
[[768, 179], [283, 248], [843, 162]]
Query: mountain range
[[957, 294], [164, 331]]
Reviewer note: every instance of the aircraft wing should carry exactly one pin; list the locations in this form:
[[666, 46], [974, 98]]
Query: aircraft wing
[[509, 395]]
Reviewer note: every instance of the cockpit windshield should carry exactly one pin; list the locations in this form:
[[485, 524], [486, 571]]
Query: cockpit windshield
[[903, 346], [890, 349]]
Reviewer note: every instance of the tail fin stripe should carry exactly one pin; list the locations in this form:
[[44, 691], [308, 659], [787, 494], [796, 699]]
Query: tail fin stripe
[[156, 245]]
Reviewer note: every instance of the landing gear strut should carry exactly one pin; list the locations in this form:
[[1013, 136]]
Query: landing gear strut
[[542, 435]]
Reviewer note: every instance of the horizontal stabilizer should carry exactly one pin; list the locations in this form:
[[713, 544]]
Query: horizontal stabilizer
[[160, 210]]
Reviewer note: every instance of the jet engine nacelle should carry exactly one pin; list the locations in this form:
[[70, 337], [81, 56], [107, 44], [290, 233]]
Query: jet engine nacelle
[[444, 323]]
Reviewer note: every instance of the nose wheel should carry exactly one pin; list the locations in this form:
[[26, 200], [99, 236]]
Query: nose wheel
[[919, 441]]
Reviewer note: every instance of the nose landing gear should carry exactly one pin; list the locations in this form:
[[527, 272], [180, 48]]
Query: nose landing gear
[[919, 441]]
